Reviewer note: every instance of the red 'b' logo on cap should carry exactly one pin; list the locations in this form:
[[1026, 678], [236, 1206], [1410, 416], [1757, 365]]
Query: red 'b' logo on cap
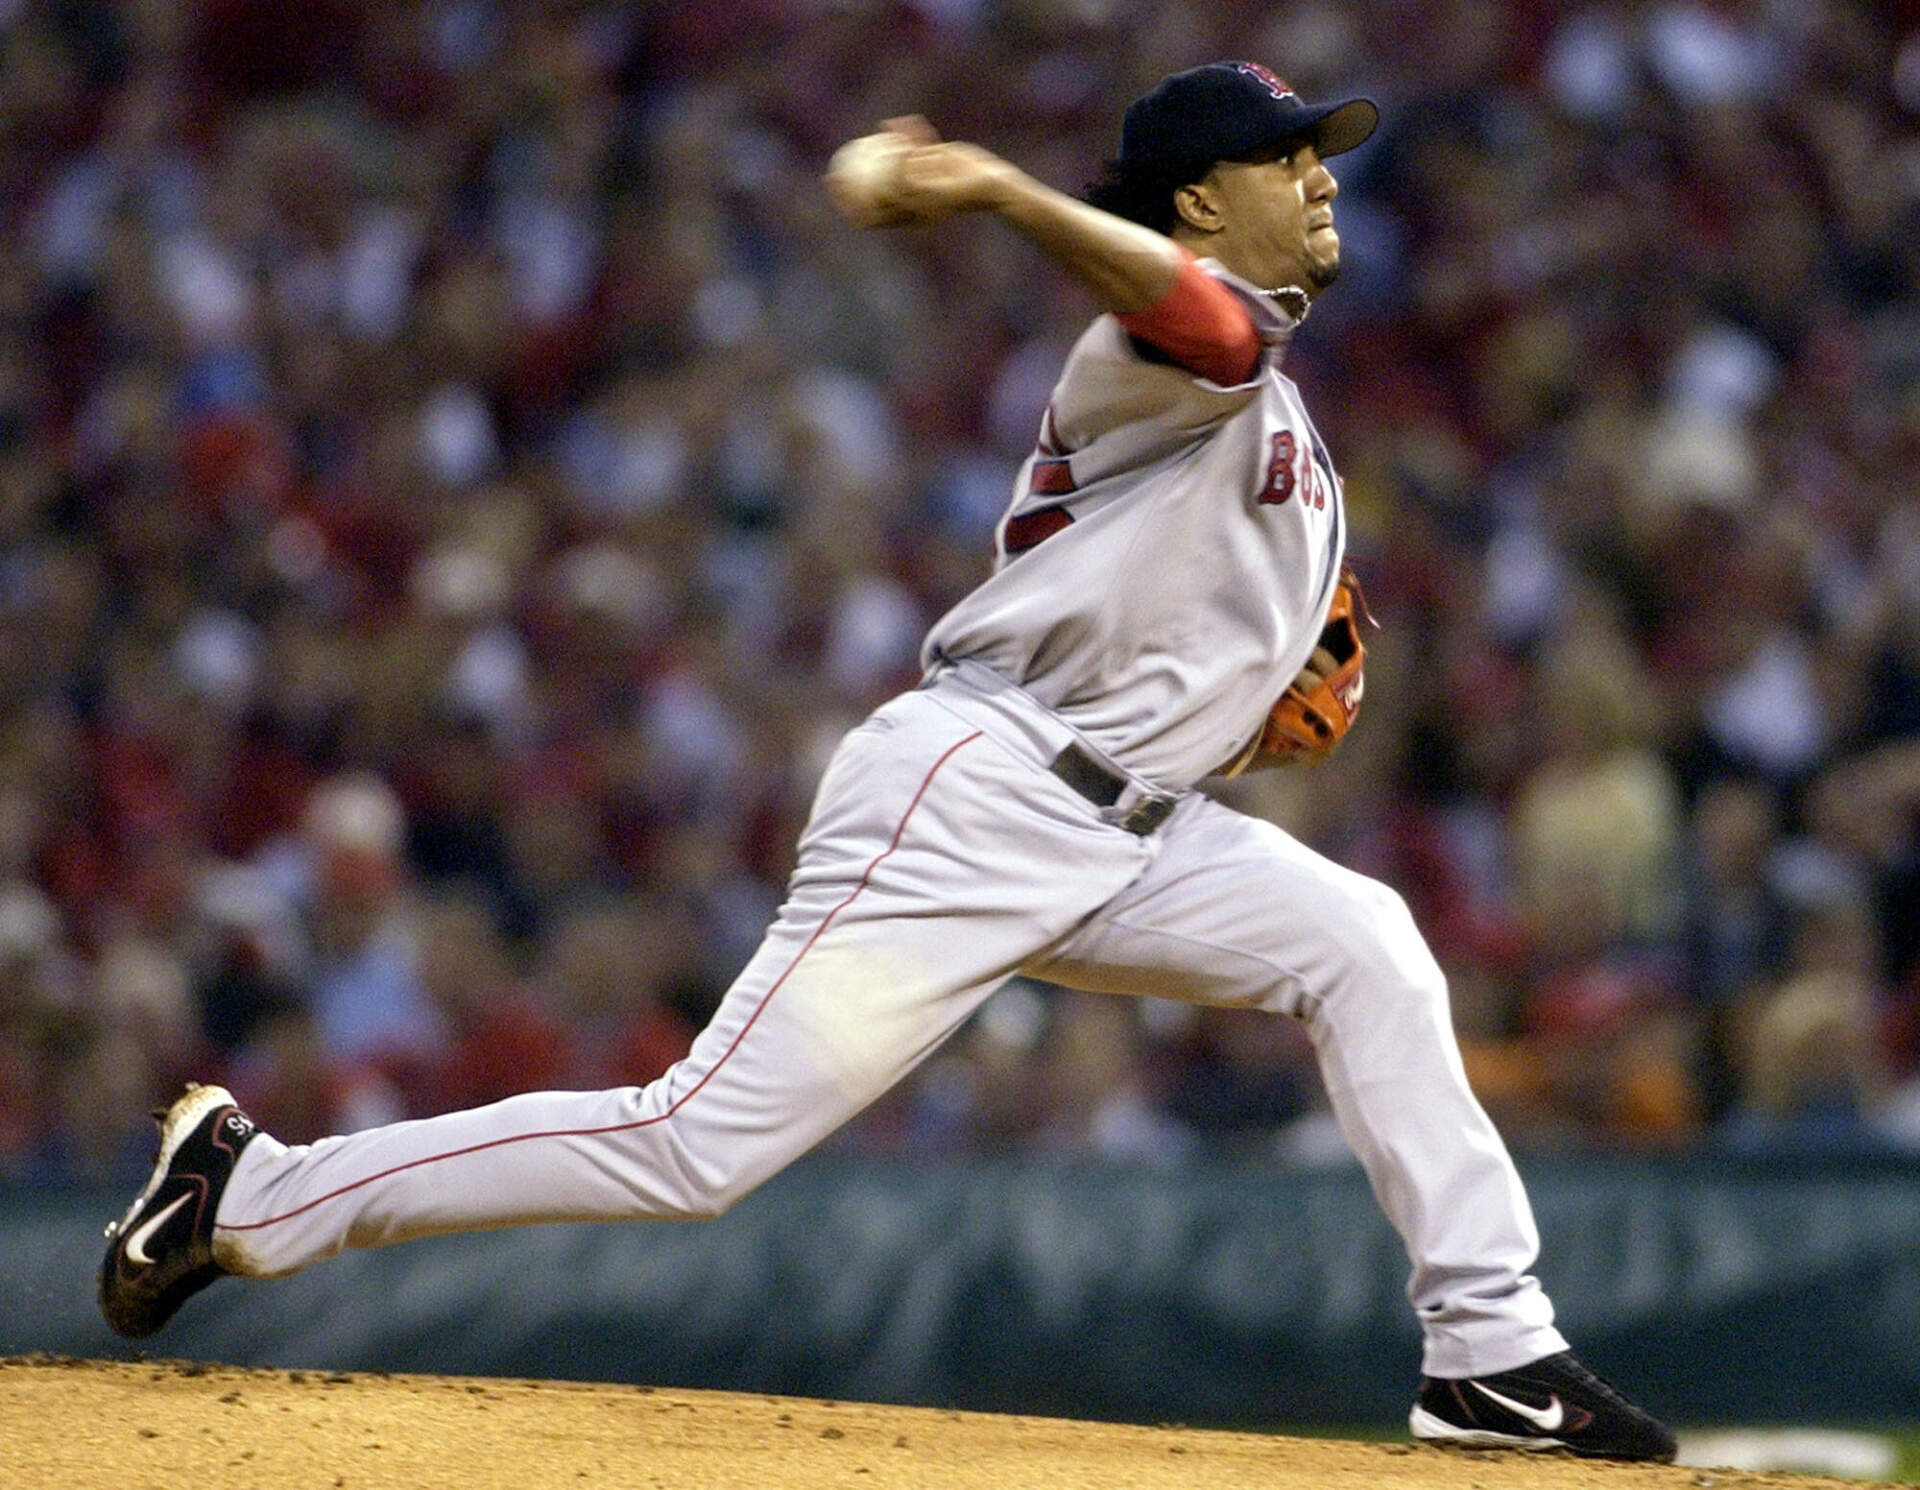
[[1276, 85]]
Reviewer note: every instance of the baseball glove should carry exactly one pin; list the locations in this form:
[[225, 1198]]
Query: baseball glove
[[1308, 721]]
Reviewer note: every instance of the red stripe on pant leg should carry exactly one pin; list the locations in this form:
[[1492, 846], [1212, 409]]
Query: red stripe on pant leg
[[767, 998]]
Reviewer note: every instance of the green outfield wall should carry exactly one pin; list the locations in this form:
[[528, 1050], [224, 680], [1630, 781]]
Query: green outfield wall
[[1719, 1292]]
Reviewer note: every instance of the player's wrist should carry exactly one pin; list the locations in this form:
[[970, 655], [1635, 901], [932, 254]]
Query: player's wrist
[[1005, 189]]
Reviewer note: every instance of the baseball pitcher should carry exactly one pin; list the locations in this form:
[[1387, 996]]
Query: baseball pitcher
[[1169, 601]]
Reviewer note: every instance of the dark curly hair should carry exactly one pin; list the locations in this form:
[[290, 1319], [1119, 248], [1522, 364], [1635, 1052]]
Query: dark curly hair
[[1144, 193]]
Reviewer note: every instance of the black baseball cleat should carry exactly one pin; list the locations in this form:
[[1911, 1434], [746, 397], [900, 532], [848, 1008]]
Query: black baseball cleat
[[1554, 1403], [161, 1252]]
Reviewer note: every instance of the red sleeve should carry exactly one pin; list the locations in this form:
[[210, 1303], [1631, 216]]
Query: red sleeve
[[1200, 325]]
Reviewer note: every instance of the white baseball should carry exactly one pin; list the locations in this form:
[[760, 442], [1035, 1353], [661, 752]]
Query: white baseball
[[865, 174]]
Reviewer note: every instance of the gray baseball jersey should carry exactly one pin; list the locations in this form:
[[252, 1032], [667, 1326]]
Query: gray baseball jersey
[[1169, 556]]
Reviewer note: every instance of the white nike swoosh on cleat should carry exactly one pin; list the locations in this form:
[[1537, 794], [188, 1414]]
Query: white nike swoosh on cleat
[[1546, 1419], [137, 1243]]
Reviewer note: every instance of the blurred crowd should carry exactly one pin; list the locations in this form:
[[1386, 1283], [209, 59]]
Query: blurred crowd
[[458, 479]]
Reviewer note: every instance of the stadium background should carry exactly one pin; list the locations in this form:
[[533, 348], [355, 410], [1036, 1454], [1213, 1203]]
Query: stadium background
[[457, 480]]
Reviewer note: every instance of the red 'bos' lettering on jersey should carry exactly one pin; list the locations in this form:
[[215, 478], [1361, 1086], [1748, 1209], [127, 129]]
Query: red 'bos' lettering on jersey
[[1287, 473], [1315, 493], [1280, 475]]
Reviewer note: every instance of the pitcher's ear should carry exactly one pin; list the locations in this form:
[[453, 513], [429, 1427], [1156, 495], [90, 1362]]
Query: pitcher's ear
[[1196, 206]]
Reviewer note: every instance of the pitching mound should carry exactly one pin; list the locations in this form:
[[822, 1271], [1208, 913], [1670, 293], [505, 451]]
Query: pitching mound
[[75, 1425]]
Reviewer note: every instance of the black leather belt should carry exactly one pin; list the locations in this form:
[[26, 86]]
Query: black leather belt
[[1103, 788]]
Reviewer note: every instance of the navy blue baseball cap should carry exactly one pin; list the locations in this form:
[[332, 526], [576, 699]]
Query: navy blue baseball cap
[[1230, 110]]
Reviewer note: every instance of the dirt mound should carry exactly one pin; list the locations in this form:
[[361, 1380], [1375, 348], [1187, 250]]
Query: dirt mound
[[75, 1425]]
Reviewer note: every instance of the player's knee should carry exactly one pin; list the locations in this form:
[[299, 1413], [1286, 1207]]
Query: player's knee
[[706, 1206], [1389, 960], [707, 1181]]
